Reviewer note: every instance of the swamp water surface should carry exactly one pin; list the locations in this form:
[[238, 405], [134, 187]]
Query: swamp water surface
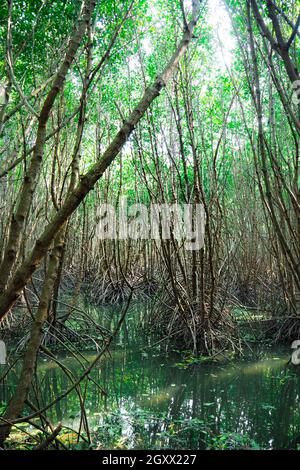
[[156, 400]]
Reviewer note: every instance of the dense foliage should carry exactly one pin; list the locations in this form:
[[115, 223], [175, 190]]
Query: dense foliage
[[154, 101]]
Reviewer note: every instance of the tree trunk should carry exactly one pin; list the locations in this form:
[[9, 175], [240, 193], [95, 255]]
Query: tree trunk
[[88, 181]]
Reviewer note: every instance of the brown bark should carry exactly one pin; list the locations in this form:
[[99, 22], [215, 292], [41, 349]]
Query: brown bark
[[52, 277], [26, 193], [88, 181], [16, 404]]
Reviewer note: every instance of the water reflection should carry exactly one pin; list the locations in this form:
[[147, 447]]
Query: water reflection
[[152, 403]]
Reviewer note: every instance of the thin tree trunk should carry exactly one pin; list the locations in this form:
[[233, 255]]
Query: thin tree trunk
[[16, 404], [88, 181], [18, 218]]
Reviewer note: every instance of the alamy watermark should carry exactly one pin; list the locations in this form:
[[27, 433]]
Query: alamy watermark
[[2, 95], [183, 222], [296, 354], [296, 93], [2, 353]]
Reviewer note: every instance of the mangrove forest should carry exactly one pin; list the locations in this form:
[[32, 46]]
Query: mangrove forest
[[149, 227]]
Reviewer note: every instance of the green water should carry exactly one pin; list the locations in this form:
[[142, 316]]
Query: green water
[[154, 403]]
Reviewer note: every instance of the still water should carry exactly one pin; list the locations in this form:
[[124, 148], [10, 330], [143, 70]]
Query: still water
[[151, 399]]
